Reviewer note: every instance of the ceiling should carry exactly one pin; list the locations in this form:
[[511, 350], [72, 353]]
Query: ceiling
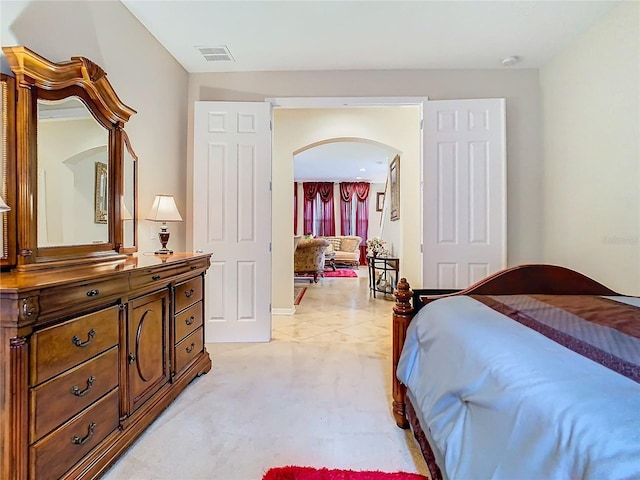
[[343, 162], [357, 35]]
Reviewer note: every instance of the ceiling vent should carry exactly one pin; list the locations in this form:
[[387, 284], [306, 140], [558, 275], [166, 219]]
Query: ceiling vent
[[216, 54]]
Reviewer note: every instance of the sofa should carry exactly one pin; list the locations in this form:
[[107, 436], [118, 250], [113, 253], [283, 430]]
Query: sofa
[[308, 257], [345, 250]]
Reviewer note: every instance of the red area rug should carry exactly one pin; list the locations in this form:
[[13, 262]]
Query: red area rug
[[341, 272], [308, 473], [298, 293]]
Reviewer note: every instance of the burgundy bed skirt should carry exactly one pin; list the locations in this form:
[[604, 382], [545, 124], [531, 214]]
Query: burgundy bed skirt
[[421, 438]]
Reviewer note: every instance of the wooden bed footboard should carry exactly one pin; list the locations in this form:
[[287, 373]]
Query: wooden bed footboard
[[402, 314], [520, 280]]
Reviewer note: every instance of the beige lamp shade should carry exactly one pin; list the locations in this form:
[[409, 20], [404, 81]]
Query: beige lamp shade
[[3, 206], [164, 210]]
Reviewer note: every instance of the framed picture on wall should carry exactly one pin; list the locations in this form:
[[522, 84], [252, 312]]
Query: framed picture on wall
[[379, 201], [394, 189]]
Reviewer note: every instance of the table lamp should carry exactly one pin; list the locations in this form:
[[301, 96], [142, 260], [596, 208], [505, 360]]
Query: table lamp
[[164, 210]]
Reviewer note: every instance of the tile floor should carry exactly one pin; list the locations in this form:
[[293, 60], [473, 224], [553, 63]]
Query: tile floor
[[317, 395]]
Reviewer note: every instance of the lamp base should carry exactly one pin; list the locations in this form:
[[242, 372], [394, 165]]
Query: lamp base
[[164, 238]]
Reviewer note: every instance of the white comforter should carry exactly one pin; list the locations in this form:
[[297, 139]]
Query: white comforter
[[500, 401]]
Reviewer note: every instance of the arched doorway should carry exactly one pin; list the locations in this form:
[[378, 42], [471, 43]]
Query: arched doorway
[[298, 129]]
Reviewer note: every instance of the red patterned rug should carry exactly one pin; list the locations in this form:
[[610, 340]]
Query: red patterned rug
[[340, 272], [308, 473]]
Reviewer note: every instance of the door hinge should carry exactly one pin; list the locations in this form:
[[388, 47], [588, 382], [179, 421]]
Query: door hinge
[[270, 186], [421, 251], [269, 246], [269, 308], [422, 124], [271, 125]]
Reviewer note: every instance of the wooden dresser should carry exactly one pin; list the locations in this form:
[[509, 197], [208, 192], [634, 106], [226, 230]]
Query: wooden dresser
[[91, 355]]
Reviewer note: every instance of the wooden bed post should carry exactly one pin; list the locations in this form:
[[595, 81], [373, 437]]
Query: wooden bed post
[[402, 315]]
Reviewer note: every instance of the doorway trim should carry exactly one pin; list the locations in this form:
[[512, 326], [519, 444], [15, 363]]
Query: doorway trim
[[345, 102]]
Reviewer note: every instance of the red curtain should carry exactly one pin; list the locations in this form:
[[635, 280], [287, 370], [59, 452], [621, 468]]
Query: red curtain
[[310, 190], [318, 203], [361, 189], [327, 224], [295, 208], [346, 194]]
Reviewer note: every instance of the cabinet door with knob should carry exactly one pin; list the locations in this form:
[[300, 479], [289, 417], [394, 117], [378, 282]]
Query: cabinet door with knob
[[148, 346]]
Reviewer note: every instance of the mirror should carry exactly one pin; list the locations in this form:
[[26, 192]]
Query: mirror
[[72, 186], [129, 214], [75, 184]]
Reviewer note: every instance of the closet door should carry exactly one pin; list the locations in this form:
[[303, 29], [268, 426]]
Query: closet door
[[464, 194]]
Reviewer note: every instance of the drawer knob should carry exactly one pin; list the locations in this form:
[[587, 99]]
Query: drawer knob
[[188, 293], [79, 343], [190, 348], [93, 293], [193, 267], [76, 440], [156, 277], [190, 320], [75, 390]]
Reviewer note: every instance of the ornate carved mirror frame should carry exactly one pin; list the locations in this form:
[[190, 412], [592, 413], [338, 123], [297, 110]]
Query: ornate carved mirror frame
[[38, 78], [7, 171]]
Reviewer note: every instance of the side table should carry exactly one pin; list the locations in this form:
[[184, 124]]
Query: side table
[[383, 274], [330, 260]]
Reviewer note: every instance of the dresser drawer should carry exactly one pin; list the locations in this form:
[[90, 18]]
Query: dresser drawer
[[56, 453], [149, 277], [188, 349], [57, 298], [62, 397], [59, 348], [188, 320], [152, 275], [187, 293]]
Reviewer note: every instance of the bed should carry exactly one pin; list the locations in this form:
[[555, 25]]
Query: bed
[[531, 373]]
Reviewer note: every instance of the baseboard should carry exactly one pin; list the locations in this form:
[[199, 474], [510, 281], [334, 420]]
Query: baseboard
[[283, 311]]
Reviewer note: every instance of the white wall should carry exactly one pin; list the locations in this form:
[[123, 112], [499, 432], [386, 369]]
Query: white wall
[[519, 87], [591, 129], [375, 226], [145, 76]]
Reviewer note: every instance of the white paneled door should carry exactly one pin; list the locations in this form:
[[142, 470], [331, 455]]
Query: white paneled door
[[464, 193], [232, 217]]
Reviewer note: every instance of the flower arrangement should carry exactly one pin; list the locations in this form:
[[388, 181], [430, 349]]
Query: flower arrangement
[[375, 246]]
